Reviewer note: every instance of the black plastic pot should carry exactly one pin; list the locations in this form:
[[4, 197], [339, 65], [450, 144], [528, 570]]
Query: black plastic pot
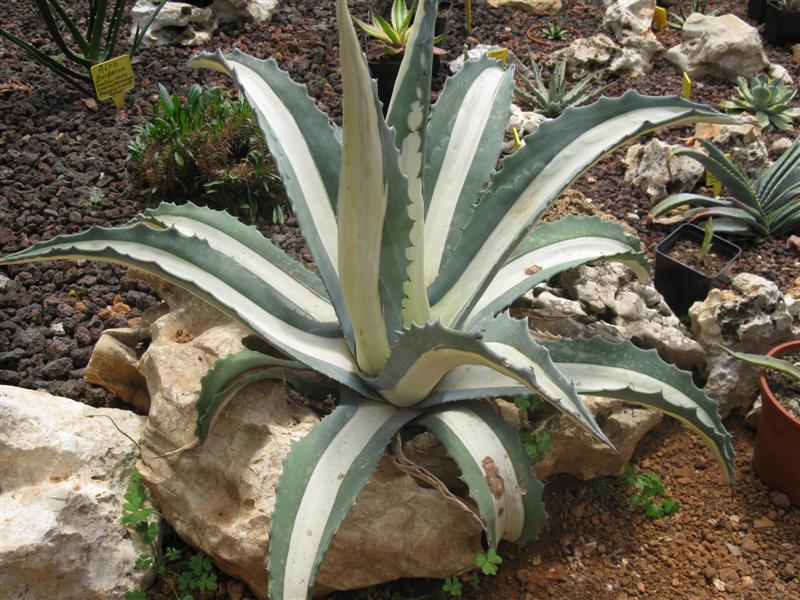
[[756, 10], [682, 285], [443, 18], [781, 27], [385, 71]]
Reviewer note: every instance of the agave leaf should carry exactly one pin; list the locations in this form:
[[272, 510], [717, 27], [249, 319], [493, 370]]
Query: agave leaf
[[686, 199], [424, 355], [322, 477], [732, 177], [621, 370], [777, 184], [253, 251], [551, 248], [467, 123], [374, 221], [558, 152], [306, 150], [408, 114], [394, 36], [232, 373], [194, 265], [766, 362], [496, 468]]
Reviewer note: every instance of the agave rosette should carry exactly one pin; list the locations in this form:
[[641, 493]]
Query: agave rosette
[[404, 310]]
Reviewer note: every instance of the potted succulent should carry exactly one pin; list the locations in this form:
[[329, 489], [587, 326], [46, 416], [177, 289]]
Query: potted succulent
[[782, 22], [776, 458], [689, 262], [390, 38]]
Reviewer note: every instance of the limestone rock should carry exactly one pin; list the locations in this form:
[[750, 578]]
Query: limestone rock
[[62, 477], [235, 11], [113, 365], [576, 452], [629, 21], [657, 172], [751, 316], [178, 24], [723, 47], [780, 146], [220, 496], [185, 24], [525, 122], [585, 56], [606, 300], [536, 7], [742, 142]]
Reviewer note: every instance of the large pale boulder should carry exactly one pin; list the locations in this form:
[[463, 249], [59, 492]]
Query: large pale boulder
[[62, 478], [751, 316], [607, 300], [723, 47], [536, 7], [220, 496], [654, 169]]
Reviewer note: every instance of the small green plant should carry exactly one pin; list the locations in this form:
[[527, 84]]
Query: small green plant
[[537, 443], [764, 207], [705, 246], [488, 561], [91, 46], [207, 147], [554, 32], [767, 99], [392, 35], [551, 100], [647, 492], [452, 586], [135, 514], [678, 20]]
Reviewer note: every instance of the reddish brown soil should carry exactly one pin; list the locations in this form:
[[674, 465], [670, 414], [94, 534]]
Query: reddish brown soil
[[63, 168]]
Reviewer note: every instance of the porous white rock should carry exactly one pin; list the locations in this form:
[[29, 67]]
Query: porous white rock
[[585, 56], [607, 300], [62, 479], [654, 169], [525, 122], [184, 24], [629, 21], [750, 316]]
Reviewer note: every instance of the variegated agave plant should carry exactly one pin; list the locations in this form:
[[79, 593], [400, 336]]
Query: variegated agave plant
[[415, 257]]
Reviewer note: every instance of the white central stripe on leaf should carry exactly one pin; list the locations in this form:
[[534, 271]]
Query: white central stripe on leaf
[[472, 117], [519, 361], [292, 340], [293, 141], [544, 258], [481, 442], [306, 299], [320, 494], [600, 377], [560, 170]]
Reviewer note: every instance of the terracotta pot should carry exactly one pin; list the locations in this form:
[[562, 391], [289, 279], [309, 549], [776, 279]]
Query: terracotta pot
[[776, 458]]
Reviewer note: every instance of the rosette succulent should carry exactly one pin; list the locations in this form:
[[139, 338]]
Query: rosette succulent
[[419, 246]]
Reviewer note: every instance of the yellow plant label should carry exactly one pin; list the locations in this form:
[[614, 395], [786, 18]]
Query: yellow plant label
[[686, 86], [500, 54], [517, 141], [660, 18], [714, 183], [113, 78]]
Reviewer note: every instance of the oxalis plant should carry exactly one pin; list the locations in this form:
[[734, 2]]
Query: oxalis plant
[[419, 245]]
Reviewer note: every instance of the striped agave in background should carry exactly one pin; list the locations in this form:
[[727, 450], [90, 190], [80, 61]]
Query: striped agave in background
[[416, 258]]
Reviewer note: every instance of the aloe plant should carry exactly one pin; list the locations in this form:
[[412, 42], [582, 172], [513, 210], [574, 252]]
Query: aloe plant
[[404, 311], [767, 206], [551, 100], [393, 34], [89, 47], [767, 99]]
